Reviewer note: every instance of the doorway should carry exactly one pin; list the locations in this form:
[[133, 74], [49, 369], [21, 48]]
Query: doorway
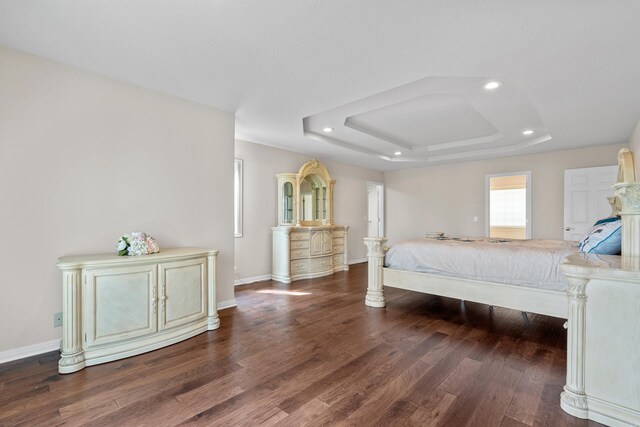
[[375, 209], [508, 205]]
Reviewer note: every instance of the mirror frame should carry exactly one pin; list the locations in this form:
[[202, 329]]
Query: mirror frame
[[314, 167]]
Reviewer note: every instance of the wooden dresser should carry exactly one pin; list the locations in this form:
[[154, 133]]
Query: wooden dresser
[[119, 306], [307, 252]]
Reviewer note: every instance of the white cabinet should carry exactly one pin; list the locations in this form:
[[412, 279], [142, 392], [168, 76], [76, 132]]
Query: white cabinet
[[116, 307], [308, 252]]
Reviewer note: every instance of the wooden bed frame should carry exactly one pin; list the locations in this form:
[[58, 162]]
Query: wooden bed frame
[[541, 301]]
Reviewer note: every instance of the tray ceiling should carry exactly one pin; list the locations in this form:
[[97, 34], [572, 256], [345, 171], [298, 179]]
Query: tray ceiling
[[387, 76], [435, 119]]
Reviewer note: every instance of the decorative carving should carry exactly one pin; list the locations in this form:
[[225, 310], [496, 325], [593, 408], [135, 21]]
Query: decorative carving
[[573, 399], [616, 205], [577, 288], [375, 246], [163, 298], [626, 166], [71, 359], [629, 194], [154, 300]]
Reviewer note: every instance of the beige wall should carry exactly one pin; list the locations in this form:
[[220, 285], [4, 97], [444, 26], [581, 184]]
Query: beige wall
[[261, 164], [446, 198], [84, 159], [634, 145]]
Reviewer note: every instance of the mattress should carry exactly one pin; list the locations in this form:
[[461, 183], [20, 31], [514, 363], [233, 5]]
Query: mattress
[[531, 263]]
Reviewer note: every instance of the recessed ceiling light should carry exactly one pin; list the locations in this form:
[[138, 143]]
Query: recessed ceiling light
[[527, 132], [397, 153], [327, 129], [493, 85]]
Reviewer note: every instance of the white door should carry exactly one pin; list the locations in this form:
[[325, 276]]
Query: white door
[[375, 209], [585, 198]]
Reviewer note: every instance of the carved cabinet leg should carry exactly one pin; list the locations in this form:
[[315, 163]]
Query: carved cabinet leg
[[573, 399], [375, 257], [72, 358], [213, 321]]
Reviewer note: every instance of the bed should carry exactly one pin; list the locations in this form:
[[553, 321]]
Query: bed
[[466, 269], [599, 295]]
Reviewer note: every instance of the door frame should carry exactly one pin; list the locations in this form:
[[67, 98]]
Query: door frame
[[487, 213], [381, 189]]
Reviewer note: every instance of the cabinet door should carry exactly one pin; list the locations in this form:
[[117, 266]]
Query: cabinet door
[[327, 240], [182, 292], [119, 304], [317, 245]]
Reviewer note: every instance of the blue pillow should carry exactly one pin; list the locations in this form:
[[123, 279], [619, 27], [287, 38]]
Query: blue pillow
[[604, 238], [605, 220]]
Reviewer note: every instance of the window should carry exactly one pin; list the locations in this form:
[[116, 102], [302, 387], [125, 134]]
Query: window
[[508, 206], [237, 198]]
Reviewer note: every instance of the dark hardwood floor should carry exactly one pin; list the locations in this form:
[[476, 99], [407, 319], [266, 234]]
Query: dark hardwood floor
[[312, 353]]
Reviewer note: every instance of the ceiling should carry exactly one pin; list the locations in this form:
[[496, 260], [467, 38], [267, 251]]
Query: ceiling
[[387, 76]]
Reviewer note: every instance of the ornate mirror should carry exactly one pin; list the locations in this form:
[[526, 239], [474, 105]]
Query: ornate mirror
[[306, 198]]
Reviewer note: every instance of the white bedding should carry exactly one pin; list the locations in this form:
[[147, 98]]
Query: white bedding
[[532, 263]]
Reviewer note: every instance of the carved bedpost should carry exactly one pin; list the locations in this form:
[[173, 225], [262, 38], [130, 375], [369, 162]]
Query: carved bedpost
[[629, 194], [573, 399], [375, 257]]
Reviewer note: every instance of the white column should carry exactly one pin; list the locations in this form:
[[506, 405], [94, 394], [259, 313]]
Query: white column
[[72, 358], [629, 194], [375, 257], [213, 319], [573, 399]]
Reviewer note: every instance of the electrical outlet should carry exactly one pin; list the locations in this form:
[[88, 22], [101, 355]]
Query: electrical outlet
[[57, 319]]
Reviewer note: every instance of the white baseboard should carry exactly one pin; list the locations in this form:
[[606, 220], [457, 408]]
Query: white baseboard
[[227, 304], [45, 347], [29, 350], [253, 279], [357, 261]]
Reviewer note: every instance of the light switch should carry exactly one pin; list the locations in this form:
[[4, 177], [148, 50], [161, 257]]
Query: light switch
[[475, 219]]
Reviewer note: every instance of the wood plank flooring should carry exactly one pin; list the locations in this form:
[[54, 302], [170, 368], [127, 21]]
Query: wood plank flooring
[[312, 353]]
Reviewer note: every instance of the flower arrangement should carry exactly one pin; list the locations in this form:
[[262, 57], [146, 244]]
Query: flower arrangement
[[137, 243]]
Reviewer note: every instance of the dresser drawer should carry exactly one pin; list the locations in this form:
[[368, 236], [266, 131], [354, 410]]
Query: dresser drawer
[[299, 266], [300, 253], [338, 233], [338, 249], [338, 260], [299, 244], [338, 241], [296, 235], [322, 263]]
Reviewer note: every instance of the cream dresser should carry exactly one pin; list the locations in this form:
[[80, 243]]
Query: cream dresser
[[307, 252], [115, 307], [306, 242]]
